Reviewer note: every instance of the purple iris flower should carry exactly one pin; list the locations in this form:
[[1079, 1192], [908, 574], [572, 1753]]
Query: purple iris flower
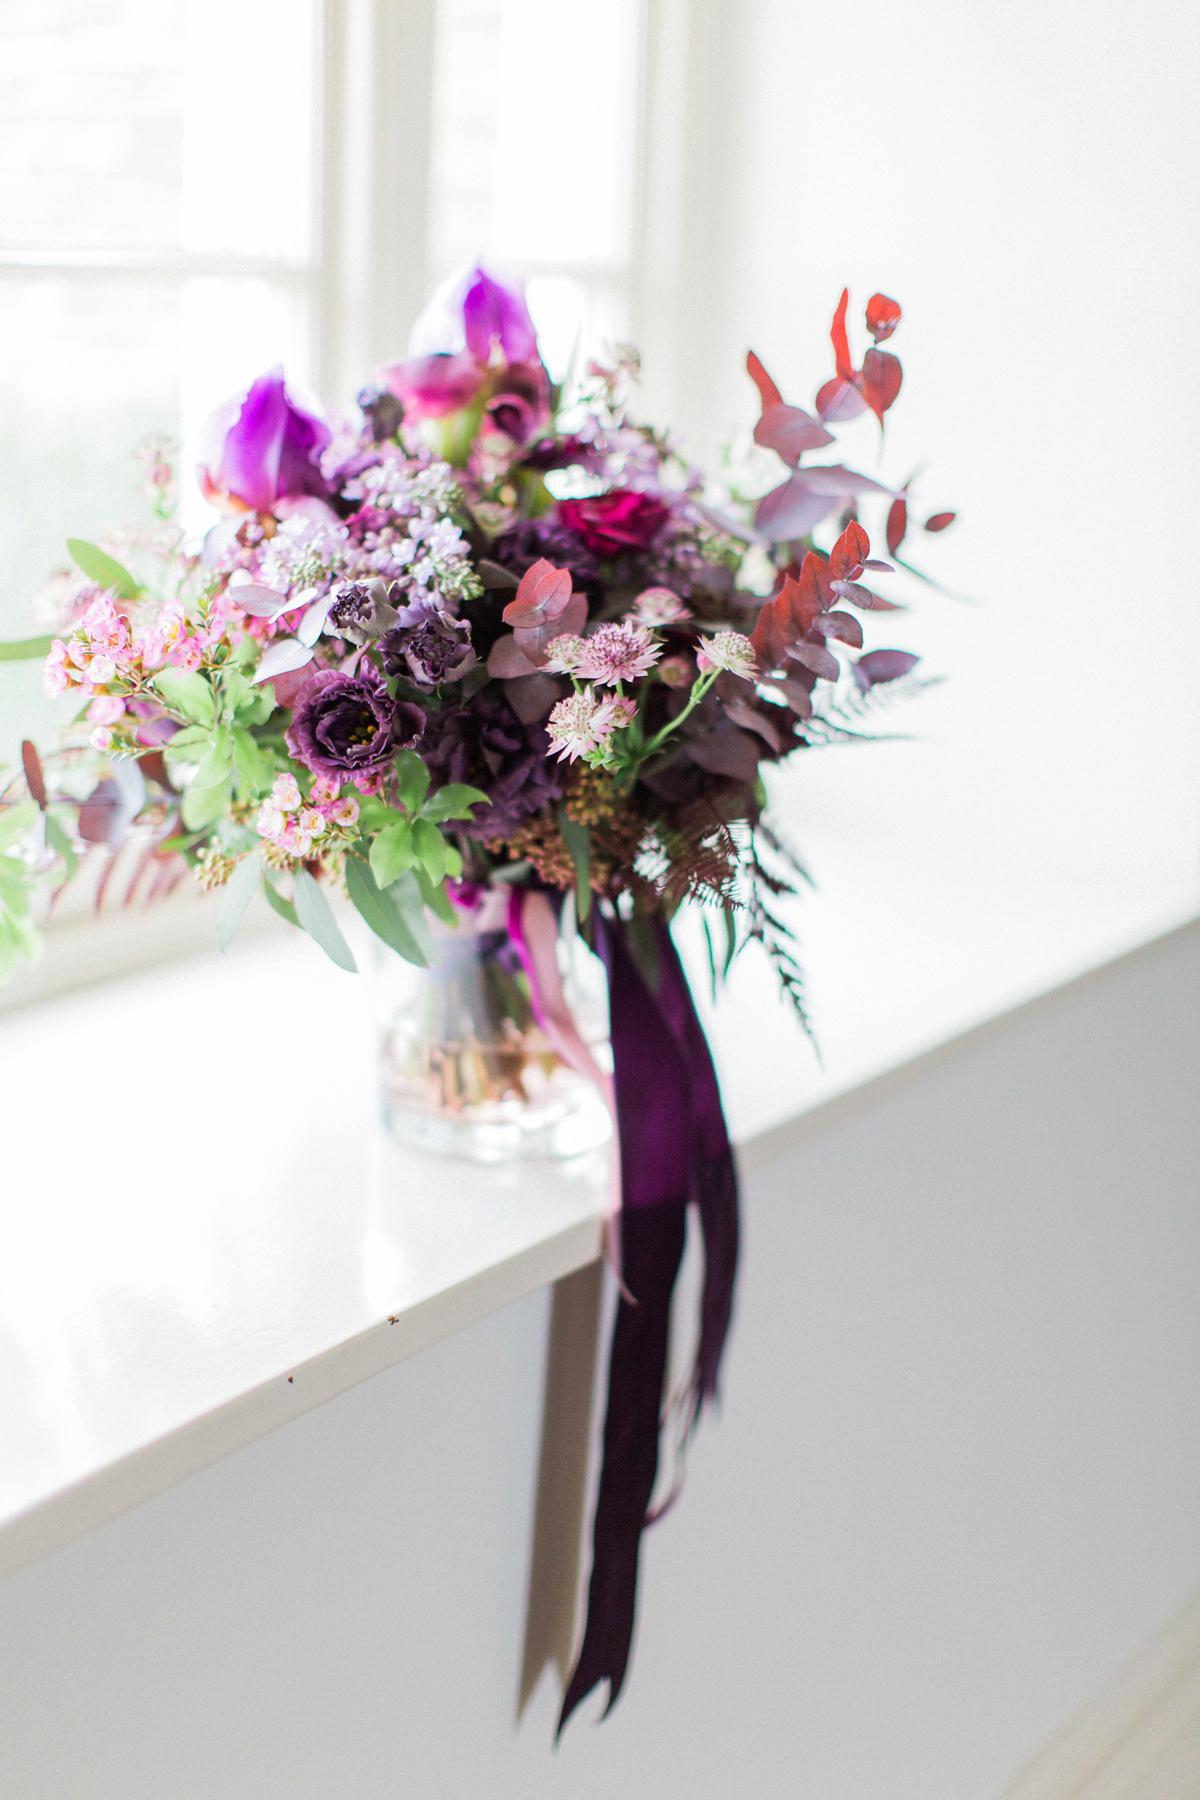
[[473, 323], [261, 447]]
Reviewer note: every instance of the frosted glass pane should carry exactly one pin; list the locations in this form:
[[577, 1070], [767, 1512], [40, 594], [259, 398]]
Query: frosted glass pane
[[86, 367], [91, 122]]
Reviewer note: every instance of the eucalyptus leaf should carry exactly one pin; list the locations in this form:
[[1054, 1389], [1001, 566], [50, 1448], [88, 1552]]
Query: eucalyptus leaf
[[16, 819], [280, 658], [187, 692], [392, 853], [204, 806], [243, 885], [255, 770], [380, 911], [316, 916], [430, 847], [103, 569], [25, 649], [278, 904]]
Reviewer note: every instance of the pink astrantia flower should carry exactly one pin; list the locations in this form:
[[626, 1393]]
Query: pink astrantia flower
[[579, 724], [659, 606], [565, 654], [728, 650], [623, 652]]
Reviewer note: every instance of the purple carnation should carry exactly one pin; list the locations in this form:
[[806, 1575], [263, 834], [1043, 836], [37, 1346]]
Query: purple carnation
[[485, 744], [348, 725], [429, 652]]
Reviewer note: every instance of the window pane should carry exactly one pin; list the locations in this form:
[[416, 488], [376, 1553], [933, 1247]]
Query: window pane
[[91, 123]]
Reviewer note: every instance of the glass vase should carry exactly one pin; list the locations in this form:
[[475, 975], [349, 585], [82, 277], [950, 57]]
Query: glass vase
[[465, 1068]]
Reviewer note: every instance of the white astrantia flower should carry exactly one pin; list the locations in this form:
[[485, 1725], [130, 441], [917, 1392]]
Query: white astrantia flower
[[727, 650]]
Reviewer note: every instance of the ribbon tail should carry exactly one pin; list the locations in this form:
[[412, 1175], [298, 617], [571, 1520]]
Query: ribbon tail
[[652, 1247]]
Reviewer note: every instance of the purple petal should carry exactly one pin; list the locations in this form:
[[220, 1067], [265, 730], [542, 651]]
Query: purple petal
[[432, 386], [280, 657], [494, 314], [790, 432], [263, 446], [791, 511]]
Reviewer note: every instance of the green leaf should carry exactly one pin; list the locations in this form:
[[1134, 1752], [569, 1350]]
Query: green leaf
[[316, 916], [16, 819], [412, 780], [251, 705], [204, 806], [405, 891], [102, 569], [382, 913], [578, 840], [452, 802], [454, 863], [430, 847], [392, 853], [437, 899], [283, 907], [58, 840], [243, 885], [25, 649], [187, 693], [187, 739], [217, 766], [255, 770]]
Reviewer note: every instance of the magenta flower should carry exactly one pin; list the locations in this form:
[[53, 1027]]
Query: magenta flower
[[620, 520], [474, 324], [261, 447]]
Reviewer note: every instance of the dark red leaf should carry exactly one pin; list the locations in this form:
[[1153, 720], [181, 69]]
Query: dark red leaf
[[883, 316], [881, 378], [897, 524], [153, 765], [34, 779], [816, 657], [791, 511], [796, 689], [843, 626], [768, 393], [841, 343], [863, 597], [790, 431], [102, 818], [799, 603], [839, 400], [939, 521], [883, 665], [883, 568], [849, 553]]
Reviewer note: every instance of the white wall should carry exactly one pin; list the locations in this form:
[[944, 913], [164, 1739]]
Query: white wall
[[955, 1481], [1023, 179]]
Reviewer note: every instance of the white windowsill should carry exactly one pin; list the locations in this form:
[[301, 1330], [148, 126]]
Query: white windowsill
[[206, 1232]]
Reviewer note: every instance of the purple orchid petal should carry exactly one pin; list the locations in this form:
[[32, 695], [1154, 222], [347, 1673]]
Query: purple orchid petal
[[263, 446], [494, 314], [430, 387]]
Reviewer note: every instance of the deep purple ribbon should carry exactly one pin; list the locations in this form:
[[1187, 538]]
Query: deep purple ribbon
[[674, 1152]]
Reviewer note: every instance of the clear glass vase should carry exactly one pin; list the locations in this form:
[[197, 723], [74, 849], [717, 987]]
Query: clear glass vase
[[466, 1070]]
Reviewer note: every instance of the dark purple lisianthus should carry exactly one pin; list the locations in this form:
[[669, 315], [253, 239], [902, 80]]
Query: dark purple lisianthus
[[431, 651], [347, 725], [616, 521], [485, 744], [531, 539], [361, 610]]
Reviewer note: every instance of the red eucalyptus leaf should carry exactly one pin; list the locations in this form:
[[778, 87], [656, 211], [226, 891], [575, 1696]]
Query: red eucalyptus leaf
[[532, 696], [881, 378], [897, 524], [534, 634], [843, 626], [790, 431], [797, 694], [768, 393], [31, 762], [862, 597], [883, 316], [939, 521], [883, 568], [750, 719], [816, 657], [507, 661], [883, 665], [799, 606], [542, 594], [839, 400], [849, 553], [841, 343], [102, 817], [792, 510]]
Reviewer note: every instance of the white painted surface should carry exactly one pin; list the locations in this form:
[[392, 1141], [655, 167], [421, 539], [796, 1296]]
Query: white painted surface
[[954, 1482]]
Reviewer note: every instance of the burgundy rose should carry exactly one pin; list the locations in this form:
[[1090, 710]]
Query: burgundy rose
[[431, 652], [348, 725], [616, 521]]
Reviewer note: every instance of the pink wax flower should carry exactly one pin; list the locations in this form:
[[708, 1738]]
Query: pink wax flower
[[106, 709], [623, 652], [188, 654], [262, 447], [619, 520]]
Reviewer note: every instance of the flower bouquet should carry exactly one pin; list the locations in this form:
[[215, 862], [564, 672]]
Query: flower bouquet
[[493, 657]]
